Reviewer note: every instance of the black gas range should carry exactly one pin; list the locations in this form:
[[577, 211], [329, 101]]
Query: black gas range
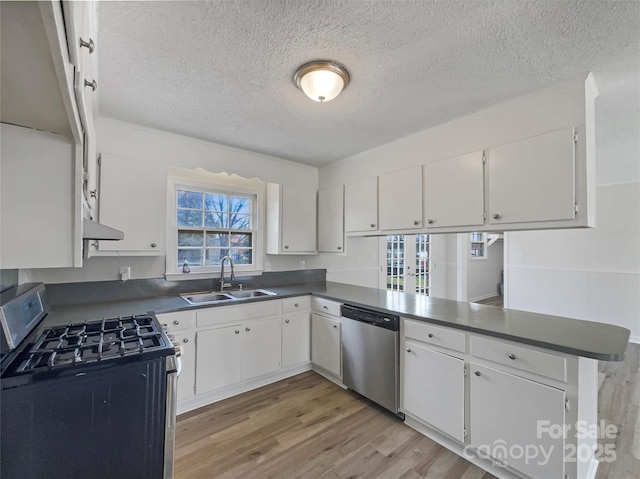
[[86, 399]]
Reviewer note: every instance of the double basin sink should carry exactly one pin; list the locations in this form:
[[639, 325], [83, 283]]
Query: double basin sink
[[219, 296]]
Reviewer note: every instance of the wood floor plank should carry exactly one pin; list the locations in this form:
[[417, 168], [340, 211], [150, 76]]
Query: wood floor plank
[[306, 427]]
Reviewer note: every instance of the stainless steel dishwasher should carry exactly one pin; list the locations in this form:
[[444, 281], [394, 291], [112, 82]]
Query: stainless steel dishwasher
[[370, 361]]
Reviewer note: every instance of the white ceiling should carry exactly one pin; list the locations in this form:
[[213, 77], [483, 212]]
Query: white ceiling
[[223, 71]]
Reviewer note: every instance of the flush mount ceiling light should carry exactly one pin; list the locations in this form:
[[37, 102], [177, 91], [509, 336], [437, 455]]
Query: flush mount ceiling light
[[322, 80]]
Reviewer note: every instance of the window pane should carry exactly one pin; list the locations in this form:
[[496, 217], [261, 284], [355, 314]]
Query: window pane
[[189, 199], [190, 218], [241, 241], [239, 205], [190, 238], [215, 202], [215, 255], [239, 222], [241, 255], [193, 256], [215, 220], [218, 240]]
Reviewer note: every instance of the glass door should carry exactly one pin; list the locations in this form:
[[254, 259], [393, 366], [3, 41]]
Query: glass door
[[408, 260]]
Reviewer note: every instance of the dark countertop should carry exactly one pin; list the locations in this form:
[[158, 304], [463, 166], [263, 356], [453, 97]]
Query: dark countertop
[[573, 336]]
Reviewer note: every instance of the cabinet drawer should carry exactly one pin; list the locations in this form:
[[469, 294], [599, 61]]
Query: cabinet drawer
[[178, 321], [241, 312], [436, 335], [291, 305], [326, 306], [536, 362]]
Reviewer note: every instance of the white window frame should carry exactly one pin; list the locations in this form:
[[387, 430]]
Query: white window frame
[[200, 180], [483, 241]]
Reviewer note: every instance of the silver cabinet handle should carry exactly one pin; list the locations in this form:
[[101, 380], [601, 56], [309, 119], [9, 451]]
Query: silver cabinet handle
[[286, 321], [335, 325], [185, 340], [416, 222], [93, 193], [93, 84], [90, 45], [295, 305], [496, 216], [373, 225], [512, 356], [176, 322], [237, 331], [430, 335], [339, 247], [408, 350], [286, 246], [430, 222], [153, 245], [325, 308], [477, 373], [247, 329]]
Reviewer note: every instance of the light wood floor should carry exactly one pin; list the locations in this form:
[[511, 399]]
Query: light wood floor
[[307, 427], [493, 301]]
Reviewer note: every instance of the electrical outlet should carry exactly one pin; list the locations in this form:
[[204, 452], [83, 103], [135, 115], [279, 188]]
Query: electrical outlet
[[125, 273], [302, 264]]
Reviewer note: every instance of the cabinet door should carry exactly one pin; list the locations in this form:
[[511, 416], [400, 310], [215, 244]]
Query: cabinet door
[[187, 378], [454, 191], [133, 199], [325, 344], [400, 199], [507, 410], [296, 338], [433, 387], [261, 348], [298, 219], [219, 358], [361, 205], [331, 220], [532, 179]]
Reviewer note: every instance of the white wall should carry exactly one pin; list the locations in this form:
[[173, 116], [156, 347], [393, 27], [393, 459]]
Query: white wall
[[591, 274], [559, 106], [483, 274], [167, 149]]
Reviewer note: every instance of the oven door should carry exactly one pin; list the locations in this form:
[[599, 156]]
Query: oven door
[[173, 369]]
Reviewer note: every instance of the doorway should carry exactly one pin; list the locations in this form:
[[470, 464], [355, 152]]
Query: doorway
[[407, 264]]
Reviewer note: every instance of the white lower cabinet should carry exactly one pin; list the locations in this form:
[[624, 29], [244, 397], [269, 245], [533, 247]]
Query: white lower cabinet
[[187, 378], [296, 338], [507, 416], [433, 385], [325, 344], [261, 348], [218, 358]]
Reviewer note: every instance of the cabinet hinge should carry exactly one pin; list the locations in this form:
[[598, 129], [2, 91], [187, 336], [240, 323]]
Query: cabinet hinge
[[575, 137], [464, 432], [464, 371], [99, 160], [484, 157], [575, 208], [484, 216], [567, 405], [194, 388]]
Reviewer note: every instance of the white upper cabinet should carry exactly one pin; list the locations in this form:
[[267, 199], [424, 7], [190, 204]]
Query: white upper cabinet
[[331, 220], [532, 180], [133, 199], [291, 220], [400, 199], [454, 191], [361, 205]]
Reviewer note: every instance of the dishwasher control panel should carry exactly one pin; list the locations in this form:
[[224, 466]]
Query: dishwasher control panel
[[376, 318]]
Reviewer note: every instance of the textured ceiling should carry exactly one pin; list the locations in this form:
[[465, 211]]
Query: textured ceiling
[[222, 71]]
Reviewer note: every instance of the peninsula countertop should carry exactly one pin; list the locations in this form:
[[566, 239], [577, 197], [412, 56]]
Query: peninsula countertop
[[573, 336]]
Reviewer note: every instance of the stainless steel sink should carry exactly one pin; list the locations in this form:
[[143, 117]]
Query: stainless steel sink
[[199, 298], [255, 293], [217, 297]]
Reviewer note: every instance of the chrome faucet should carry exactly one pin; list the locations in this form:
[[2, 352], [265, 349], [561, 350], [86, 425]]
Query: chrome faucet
[[233, 276]]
